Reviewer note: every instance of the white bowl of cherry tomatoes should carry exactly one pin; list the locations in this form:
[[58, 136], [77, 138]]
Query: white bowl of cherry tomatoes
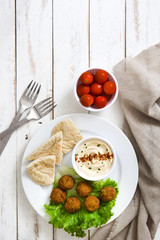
[[96, 89]]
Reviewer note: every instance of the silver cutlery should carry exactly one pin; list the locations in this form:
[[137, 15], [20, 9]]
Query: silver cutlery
[[26, 101], [40, 110]]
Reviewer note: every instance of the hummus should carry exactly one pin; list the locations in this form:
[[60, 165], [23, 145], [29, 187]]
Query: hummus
[[94, 157]]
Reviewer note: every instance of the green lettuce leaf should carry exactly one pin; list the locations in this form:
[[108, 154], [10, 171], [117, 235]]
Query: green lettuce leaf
[[76, 223]]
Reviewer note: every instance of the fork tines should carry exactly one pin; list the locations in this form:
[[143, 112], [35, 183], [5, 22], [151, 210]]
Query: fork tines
[[32, 90], [49, 109], [45, 106]]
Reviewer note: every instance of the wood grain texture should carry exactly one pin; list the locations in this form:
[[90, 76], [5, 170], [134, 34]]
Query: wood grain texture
[[107, 43], [70, 51], [107, 29], [142, 25], [34, 61], [8, 219]]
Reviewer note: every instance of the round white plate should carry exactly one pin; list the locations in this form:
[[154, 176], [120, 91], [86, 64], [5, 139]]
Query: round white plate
[[125, 172]]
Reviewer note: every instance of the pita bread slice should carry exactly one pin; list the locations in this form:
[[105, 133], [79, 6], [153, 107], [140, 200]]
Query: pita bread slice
[[53, 146], [71, 134], [42, 170]]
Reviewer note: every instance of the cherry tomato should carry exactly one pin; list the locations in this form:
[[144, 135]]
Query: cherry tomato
[[109, 87], [86, 78], [87, 100], [96, 89], [101, 76], [83, 89], [100, 101]]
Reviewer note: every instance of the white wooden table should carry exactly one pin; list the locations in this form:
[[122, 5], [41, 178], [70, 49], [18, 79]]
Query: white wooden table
[[50, 42]]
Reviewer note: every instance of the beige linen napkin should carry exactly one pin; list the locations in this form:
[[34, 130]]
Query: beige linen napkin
[[139, 83]]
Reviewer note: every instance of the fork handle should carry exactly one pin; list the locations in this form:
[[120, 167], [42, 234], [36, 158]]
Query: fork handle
[[4, 142], [11, 129]]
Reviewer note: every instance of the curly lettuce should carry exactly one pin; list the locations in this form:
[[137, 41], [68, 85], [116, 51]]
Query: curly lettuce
[[76, 223]]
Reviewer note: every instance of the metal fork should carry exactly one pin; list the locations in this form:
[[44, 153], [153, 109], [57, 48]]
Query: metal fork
[[40, 110], [27, 100]]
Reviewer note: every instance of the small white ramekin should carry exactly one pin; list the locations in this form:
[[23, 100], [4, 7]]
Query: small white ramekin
[[96, 178], [94, 108]]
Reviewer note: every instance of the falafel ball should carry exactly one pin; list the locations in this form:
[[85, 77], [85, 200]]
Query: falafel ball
[[84, 189], [58, 195], [108, 194], [72, 204], [66, 182], [91, 203]]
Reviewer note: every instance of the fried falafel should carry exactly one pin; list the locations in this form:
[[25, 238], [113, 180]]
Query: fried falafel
[[72, 204], [84, 189], [66, 182], [58, 195], [91, 203], [108, 194]]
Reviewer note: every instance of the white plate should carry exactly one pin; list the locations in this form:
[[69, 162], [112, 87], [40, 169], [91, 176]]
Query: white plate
[[125, 172]]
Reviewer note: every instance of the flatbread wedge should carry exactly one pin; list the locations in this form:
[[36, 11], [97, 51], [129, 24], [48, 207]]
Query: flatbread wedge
[[42, 170], [71, 134], [53, 146]]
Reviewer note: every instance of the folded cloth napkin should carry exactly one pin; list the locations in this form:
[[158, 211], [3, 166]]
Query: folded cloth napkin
[[139, 84]]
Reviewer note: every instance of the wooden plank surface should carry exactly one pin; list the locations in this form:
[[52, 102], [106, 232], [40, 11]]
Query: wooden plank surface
[[8, 220], [142, 25], [107, 43], [34, 61], [70, 51]]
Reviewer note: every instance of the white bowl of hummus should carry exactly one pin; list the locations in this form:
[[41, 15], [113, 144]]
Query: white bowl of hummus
[[94, 158]]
